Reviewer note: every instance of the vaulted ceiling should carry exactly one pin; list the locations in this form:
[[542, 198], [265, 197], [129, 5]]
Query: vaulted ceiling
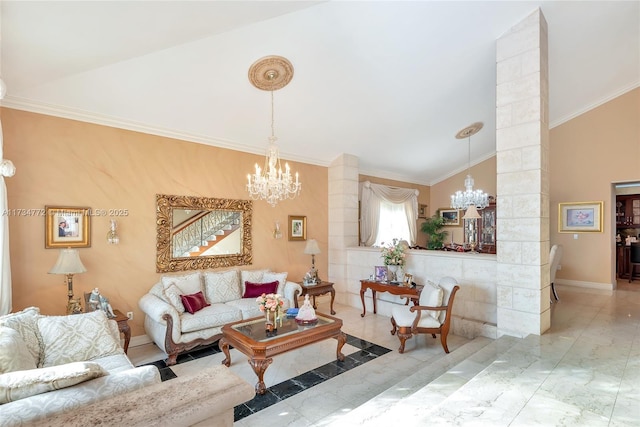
[[391, 82]]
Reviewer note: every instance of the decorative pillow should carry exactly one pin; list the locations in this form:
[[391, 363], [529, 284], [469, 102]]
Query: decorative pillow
[[431, 296], [14, 354], [188, 284], [270, 276], [253, 276], [25, 322], [254, 290], [194, 302], [76, 338], [222, 287], [20, 384], [172, 296]]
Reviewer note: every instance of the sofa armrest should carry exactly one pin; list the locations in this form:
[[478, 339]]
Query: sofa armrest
[[183, 401], [156, 308], [291, 291]]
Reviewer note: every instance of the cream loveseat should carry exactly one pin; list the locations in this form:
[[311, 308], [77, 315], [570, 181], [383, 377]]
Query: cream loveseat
[[185, 311], [51, 365]]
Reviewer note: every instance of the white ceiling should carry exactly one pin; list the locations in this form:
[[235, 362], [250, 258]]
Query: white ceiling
[[391, 82]]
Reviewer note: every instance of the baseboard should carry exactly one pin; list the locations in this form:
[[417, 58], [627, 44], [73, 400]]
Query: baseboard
[[140, 340], [587, 285]]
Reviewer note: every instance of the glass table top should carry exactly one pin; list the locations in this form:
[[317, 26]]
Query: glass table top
[[255, 329]]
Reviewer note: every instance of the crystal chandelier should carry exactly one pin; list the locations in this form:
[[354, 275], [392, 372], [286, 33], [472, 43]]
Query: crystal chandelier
[[272, 183], [462, 199]]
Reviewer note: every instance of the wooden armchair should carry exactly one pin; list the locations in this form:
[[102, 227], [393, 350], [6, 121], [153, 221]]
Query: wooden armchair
[[431, 316]]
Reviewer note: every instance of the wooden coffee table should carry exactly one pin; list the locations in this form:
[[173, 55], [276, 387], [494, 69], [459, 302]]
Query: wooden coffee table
[[251, 339]]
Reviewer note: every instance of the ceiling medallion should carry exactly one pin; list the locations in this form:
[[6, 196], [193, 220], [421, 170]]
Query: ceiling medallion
[[469, 130], [271, 73]]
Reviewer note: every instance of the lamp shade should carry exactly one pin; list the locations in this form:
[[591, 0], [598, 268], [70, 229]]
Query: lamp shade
[[472, 213], [68, 263], [312, 247]]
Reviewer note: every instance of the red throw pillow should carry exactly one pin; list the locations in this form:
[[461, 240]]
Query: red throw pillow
[[194, 302], [254, 290]]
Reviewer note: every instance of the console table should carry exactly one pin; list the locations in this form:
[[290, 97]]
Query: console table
[[392, 288]]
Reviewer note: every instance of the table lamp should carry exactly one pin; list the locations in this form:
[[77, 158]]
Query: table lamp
[[312, 249], [472, 215], [69, 263]]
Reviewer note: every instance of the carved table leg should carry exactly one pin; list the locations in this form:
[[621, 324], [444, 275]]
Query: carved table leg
[[373, 292], [224, 346], [259, 366], [342, 339], [333, 296], [364, 307]]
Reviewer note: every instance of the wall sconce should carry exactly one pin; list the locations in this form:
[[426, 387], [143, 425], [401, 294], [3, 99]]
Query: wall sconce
[[277, 234], [112, 234]]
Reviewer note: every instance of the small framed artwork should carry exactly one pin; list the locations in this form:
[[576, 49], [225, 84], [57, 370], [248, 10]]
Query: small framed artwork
[[297, 227], [580, 217], [381, 273], [450, 216], [67, 227], [422, 211]]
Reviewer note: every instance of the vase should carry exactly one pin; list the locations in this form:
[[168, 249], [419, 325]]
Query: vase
[[269, 325], [393, 269]]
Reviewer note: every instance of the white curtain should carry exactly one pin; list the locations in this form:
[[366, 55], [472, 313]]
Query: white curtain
[[6, 169], [370, 197]]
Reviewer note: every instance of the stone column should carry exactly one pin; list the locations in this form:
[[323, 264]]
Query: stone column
[[343, 216], [522, 145]]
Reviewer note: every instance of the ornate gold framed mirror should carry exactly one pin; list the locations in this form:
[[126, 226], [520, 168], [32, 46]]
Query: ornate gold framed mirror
[[195, 233]]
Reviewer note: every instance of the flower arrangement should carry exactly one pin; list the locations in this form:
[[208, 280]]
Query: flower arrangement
[[393, 254], [270, 302]]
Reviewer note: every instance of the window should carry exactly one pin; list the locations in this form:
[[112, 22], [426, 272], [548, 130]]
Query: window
[[393, 224]]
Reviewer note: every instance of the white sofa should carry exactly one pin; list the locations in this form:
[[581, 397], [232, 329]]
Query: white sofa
[[175, 330], [51, 365]]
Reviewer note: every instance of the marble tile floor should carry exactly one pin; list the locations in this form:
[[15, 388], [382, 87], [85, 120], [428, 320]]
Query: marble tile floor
[[583, 371]]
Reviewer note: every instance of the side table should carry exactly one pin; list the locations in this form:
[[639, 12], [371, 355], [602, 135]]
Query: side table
[[317, 290], [123, 327], [392, 288]]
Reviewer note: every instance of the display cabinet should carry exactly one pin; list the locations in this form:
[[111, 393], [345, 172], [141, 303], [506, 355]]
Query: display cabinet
[[485, 230]]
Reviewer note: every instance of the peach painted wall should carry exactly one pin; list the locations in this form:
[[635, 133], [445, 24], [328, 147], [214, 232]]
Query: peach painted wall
[[423, 198], [70, 163], [484, 176], [588, 154]]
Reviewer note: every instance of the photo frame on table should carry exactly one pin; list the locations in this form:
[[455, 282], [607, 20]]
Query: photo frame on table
[[580, 217], [408, 279], [381, 273], [297, 227], [67, 227], [451, 216]]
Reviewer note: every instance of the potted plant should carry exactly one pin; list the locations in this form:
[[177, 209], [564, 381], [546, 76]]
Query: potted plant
[[433, 228]]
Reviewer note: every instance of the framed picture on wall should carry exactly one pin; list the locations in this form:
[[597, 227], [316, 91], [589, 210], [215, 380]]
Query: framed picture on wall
[[450, 216], [66, 227], [580, 217], [422, 211], [297, 227]]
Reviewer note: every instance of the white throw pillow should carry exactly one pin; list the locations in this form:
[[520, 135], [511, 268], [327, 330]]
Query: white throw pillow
[[20, 384], [270, 276], [76, 338], [431, 296], [25, 322], [222, 286], [172, 296], [253, 276], [14, 354], [189, 283]]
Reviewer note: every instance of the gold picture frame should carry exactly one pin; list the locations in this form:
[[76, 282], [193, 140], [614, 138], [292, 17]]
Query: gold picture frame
[[67, 227], [451, 216], [580, 217], [297, 227]]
